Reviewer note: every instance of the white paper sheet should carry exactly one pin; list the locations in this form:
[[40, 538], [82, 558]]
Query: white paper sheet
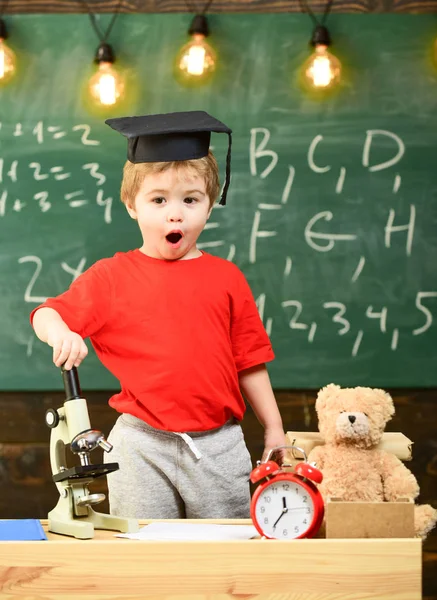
[[191, 531]]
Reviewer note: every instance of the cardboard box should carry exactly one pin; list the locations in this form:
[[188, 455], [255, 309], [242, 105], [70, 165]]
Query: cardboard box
[[369, 519]]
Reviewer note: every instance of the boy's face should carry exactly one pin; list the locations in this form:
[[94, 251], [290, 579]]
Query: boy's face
[[172, 209]]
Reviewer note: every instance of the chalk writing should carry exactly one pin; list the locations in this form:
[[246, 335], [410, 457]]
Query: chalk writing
[[428, 315], [302, 232], [28, 292]]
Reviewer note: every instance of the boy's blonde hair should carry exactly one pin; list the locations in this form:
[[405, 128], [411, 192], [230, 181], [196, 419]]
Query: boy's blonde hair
[[134, 174]]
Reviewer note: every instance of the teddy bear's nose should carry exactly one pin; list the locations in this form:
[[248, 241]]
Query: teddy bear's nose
[[352, 418]]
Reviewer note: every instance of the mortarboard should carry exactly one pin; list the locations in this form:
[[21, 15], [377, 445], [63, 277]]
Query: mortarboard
[[172, 136]]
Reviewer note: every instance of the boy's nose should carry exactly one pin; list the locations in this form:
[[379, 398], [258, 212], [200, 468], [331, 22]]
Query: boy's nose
[[174, 218]]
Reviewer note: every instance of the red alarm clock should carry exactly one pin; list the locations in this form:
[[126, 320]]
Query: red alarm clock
[[287, 505]]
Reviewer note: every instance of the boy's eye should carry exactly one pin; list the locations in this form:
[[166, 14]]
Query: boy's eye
[[159, 200], [190, 200]]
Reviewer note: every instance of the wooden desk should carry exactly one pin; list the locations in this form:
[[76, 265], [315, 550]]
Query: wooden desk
[[109, 568]]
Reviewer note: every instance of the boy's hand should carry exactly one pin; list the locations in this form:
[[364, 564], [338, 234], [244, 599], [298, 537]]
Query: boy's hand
[[274, 437], [69, 349]]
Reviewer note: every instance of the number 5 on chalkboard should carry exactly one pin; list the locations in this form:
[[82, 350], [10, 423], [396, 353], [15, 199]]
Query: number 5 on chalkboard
[[425, 311]]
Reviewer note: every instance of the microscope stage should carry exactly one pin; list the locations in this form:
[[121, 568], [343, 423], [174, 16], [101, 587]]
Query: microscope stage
[[85, 471]]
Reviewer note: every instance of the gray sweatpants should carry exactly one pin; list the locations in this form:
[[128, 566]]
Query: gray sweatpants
[[161, 475]]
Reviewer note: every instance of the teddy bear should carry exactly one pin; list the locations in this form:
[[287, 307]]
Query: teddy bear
[[352, 422]]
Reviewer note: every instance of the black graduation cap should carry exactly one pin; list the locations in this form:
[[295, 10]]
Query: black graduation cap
[[172, 136]]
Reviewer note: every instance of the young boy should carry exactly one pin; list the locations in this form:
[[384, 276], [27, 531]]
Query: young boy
[[180, 330]]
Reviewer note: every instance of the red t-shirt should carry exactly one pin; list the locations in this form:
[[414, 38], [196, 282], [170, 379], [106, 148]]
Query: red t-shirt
[[175, 334]]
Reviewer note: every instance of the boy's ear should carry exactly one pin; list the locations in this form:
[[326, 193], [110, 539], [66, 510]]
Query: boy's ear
[[132, 212]]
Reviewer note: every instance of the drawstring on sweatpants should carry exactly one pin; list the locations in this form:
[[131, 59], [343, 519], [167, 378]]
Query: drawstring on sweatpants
[[192, 446]]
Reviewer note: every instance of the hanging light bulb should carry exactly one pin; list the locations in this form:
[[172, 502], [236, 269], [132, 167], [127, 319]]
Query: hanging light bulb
[[196, 61], [7, 57], [106, 86], [322, 70]]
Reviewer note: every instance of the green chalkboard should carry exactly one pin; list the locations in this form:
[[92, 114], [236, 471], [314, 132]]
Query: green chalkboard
[[332, 210]]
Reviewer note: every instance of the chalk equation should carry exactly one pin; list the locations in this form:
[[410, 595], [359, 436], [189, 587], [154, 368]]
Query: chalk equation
[[43, 133], [52, 192]]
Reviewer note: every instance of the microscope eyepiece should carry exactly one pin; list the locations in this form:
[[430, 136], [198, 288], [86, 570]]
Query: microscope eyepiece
[[71, 384]]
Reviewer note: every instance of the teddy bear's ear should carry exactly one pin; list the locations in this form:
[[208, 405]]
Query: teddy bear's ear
[[386, 403], [325, 394]]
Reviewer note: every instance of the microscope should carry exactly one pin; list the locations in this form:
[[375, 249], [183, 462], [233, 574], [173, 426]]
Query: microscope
[[70, 426]]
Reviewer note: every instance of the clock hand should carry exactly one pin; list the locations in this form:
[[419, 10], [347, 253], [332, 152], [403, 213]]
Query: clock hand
[[284, 510], [278, 519]]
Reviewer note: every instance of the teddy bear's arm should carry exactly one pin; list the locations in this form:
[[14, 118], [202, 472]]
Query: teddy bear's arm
[[317, 456], [398, 481]]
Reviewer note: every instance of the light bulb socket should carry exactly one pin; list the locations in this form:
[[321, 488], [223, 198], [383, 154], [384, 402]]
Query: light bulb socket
[[104, 53], [199, 25], [320, 36], [3, 30]]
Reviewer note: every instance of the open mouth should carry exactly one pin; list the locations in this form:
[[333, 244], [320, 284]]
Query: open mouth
[[174, 238]]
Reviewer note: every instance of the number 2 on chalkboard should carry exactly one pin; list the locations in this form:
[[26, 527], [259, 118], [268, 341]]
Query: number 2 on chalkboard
[[294, 323], [38, 267]]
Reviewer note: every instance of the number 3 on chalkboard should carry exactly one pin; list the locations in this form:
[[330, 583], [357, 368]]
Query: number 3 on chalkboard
[[338, 317]]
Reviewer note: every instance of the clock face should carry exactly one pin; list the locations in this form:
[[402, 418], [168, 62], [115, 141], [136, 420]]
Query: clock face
[[284, 510]]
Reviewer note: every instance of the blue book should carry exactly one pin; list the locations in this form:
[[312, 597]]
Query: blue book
[[21, 530]]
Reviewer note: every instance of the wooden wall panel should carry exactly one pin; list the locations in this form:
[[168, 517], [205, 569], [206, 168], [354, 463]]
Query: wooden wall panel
[[219, 6]]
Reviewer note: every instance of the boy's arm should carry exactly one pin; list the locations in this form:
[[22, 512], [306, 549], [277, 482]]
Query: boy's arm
[[63, 322], [68, 346], [256, 387]]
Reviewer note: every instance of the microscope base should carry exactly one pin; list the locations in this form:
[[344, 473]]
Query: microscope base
[[64, 521], [78, 528]]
